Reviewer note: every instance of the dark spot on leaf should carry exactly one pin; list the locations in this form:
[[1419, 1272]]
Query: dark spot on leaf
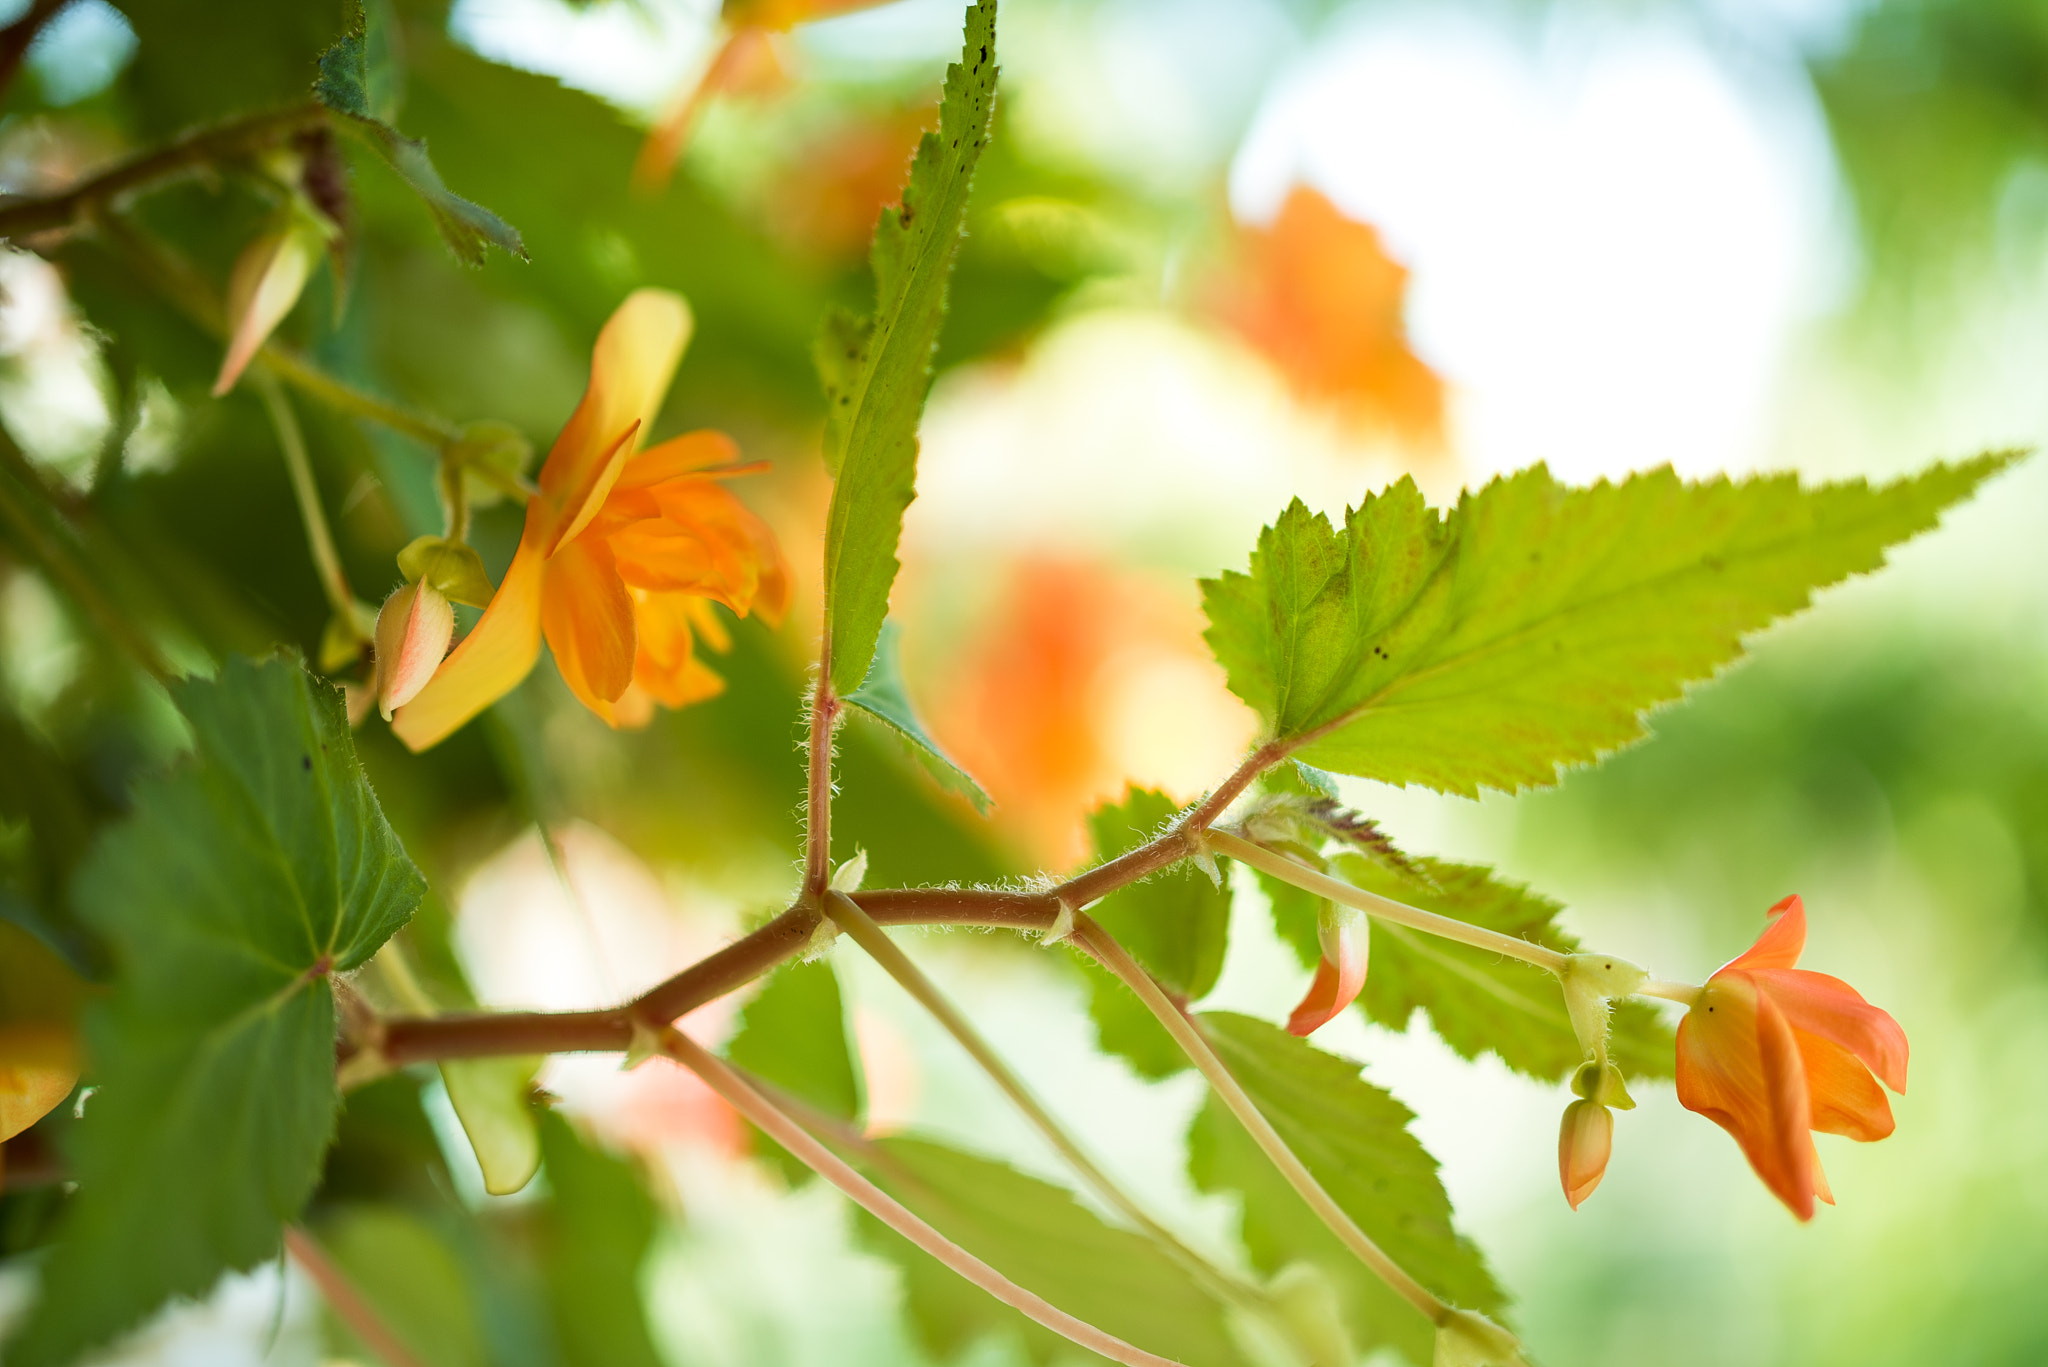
[[306, 763]]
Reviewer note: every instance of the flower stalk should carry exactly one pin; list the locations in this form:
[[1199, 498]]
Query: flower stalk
[[1385, 908], [779, 1126]]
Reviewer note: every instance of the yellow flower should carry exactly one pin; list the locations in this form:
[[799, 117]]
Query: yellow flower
[[624, 550]]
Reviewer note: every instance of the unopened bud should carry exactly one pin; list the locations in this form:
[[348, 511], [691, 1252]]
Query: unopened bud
[[1345, 934], [413, 632], [1466, 1339], [266, 282], [1584, 1143]]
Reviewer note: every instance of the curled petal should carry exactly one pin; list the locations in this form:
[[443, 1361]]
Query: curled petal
[[630, 369], [667, 668], [1845, 1099], [413, 631], [685, 455], [489, 663], [1817, 1004], [1584, 1143], [588, 617], [1780, 944]]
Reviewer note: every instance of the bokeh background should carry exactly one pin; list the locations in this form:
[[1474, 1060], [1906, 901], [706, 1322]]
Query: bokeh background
[[1222, 252]]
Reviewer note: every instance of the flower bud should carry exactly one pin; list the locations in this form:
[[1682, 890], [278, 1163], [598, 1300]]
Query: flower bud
[[266, 282], [1583, 1145], [413, 632], [1465, 1339], [1346, 937]]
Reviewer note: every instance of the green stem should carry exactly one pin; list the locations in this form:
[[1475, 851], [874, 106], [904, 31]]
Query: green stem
[[1293, 871], [818, 780], [1091, 936], [333, 581], [1687, 993], [862, 929], [777, 1125], [296, 371]]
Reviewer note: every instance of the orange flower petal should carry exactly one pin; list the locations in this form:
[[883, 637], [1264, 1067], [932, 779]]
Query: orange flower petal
[[498, 652], [1846, 1100], [667, 668], [1783, 939], [585, 503], [684, 455], [588, 618], [1828, 1007], [38, 1069], [1721, 1075], [1788, 1146], [630, 369]]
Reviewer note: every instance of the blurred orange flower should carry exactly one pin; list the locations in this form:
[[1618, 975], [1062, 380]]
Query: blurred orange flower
[[746, 59], [1770, 1053], [1085, 678], [1320, 297], [623, 553]]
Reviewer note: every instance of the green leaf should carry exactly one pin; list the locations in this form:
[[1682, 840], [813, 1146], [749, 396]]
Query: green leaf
[[359, 75], [594, 1237], [358, 81], [1532, 625], [1480, 1001], [413, 1281], [875, 403], [1354, 1138], [793, 1034], [241, 884], [1176, 922], [882, 697], [493, 1098], [1037, 1235], [1125, 1027]]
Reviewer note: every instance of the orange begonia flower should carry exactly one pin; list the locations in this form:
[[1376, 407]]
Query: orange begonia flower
[[1318, 294], [1770, 1052], [624, 550], [747, 58]]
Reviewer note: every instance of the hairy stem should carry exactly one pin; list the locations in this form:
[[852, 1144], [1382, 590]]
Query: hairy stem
[[345, 1301], [228, 141], [1090, 935], [818, 796], [319, 540], [863, 930], [777, 1125], [736, 965], [1302, 876]]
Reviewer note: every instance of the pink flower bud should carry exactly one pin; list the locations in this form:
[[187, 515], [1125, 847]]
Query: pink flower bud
[[1583, 1145], [1346, 937], [413, 632], [266, 282]]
